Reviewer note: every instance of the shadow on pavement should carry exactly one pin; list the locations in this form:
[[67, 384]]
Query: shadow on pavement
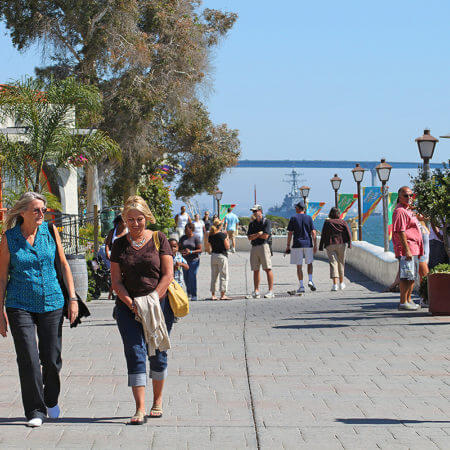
[[380, 421], [21, 420], [367, 317]]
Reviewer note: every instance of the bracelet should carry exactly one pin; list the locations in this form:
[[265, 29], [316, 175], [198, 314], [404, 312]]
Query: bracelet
[[73, 299]]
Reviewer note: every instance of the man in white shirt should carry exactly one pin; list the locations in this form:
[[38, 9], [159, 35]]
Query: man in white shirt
[[181, 220]]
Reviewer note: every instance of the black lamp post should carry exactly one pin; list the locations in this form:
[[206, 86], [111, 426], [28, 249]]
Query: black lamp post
[[336, 184], [426, 144], [358, 175], [304, 192], [384, 172], [218, 196]]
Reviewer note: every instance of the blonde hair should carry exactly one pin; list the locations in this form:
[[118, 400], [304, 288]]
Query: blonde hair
[[138, 203], [217, 225], [13, 216]]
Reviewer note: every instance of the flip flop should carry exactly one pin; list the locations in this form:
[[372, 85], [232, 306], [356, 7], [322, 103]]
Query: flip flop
[[226, 298], [138, 419], [214, 299], [156, 412]]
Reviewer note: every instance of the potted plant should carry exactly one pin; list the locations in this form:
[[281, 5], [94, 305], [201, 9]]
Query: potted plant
[[432, 198]]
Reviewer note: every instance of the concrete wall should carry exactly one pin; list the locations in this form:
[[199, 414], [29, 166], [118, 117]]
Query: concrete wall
[[369, 259]]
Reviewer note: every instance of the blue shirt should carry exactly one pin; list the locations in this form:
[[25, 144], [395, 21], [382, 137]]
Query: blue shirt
[[231, 221], [301, 225], [32, 285]]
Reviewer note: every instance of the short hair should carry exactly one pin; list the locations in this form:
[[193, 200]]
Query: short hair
[[334, 213], [138, 203], [403, 188], [229, 209], [190, 226], [173, 240], [14, 214], [300, 207]]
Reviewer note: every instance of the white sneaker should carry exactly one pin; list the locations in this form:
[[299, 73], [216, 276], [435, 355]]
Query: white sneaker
[[34, 423], [233, 250], [54, 412], [311, 285], [408, 306], [256, 294], [334, 288], [342, 286], [301, 290], [269, 294]]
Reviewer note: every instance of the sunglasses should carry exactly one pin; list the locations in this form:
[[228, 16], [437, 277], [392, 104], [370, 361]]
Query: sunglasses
[[408, 195], [38, 211]]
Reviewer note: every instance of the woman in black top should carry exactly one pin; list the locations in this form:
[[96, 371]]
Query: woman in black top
[[219, 245], [191, 247]]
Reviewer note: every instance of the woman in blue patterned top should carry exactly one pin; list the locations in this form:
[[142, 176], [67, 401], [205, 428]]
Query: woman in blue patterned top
[[34, 303]]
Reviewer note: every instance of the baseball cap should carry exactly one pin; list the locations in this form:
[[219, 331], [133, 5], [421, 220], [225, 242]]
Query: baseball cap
[[300, 204], [256, 208]]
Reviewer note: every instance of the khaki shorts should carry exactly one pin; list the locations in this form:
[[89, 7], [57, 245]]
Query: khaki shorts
[[231, 233], [260, 255]]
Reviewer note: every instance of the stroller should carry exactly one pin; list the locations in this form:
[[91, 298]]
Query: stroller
[[99, 266]]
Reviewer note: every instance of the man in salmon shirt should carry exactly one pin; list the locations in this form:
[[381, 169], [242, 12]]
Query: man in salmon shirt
[[408, 246]]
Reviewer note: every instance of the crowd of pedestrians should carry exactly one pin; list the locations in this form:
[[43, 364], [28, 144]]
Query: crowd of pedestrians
[[143, 263]]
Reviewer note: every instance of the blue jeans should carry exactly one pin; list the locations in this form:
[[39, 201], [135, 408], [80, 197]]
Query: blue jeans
[[135, 347], [190, 277]]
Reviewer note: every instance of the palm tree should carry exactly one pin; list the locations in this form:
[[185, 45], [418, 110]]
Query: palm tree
[[50, 115]]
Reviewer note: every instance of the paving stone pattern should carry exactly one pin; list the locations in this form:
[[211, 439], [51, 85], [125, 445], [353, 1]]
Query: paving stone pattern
[[322, 371]]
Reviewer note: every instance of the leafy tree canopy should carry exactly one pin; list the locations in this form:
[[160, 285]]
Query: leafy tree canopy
[[149, 58]]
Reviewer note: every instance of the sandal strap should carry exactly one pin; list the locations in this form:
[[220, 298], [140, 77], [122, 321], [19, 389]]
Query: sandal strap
[[138, 416]]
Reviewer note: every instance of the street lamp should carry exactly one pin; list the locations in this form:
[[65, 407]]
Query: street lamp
[[336, 184], [304, 192], [426, 144], [218, 196], [384, 171], [358, 175]]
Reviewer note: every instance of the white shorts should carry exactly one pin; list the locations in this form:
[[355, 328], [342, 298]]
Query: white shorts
[[297, 255]]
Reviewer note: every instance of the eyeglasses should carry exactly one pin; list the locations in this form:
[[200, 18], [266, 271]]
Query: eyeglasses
[[38, 211]]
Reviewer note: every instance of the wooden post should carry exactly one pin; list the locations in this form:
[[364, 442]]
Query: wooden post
[[95, 230]]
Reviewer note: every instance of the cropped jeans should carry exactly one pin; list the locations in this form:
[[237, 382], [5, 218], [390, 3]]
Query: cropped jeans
[[135, 347], [190, 277], [39, 389]]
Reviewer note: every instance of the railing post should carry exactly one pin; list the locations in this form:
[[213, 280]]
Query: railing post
[[77, 234], [95, 230]]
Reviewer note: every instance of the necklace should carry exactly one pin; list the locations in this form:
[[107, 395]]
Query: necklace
[[138, 244]]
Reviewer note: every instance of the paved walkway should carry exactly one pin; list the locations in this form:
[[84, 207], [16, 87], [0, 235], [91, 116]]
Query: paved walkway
[[325, 370]]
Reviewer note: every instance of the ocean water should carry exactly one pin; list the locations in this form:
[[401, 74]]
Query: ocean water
[[372, 230]]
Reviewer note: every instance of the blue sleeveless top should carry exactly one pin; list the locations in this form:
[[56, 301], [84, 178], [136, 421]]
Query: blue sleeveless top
[[32, 283]]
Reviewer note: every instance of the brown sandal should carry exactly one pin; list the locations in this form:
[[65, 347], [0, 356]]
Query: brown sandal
[[156, 412], [138, 419]]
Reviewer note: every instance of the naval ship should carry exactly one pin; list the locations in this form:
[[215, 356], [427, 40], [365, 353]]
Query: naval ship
[[287, 208]]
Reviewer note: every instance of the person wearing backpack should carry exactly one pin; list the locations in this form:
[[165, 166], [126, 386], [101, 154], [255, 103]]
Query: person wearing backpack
[[259, 234]]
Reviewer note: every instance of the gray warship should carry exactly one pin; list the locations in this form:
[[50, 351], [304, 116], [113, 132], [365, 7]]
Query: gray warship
[[287, 208]]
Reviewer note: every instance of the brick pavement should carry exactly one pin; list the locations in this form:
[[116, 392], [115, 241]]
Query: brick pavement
[[325, 370]]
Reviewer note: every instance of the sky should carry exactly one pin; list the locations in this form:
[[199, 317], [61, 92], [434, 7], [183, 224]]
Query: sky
[[319, 80]]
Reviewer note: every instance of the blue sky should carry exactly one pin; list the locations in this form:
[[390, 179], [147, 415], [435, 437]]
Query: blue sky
[[321, 80]]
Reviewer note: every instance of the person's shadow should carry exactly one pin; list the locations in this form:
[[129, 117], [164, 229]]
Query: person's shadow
[[69, 420]]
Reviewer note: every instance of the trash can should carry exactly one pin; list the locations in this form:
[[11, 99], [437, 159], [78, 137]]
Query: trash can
[[107, 221]]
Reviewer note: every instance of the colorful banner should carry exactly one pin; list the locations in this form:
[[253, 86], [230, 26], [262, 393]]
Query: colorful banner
[[224, 210], [345, 202], [371, 197], [313, 209], [392, 203]]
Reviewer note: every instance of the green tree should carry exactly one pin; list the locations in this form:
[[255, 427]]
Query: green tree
[[433, 199], [150, 60], [45, 111]]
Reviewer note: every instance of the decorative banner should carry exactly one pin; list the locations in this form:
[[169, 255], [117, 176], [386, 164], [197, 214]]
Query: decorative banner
[[371, 198], [392, 203], [345, 202], [314, 208], [224, 210]]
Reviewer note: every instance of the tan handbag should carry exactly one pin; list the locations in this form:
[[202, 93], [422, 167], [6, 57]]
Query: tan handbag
[[178, 299]]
